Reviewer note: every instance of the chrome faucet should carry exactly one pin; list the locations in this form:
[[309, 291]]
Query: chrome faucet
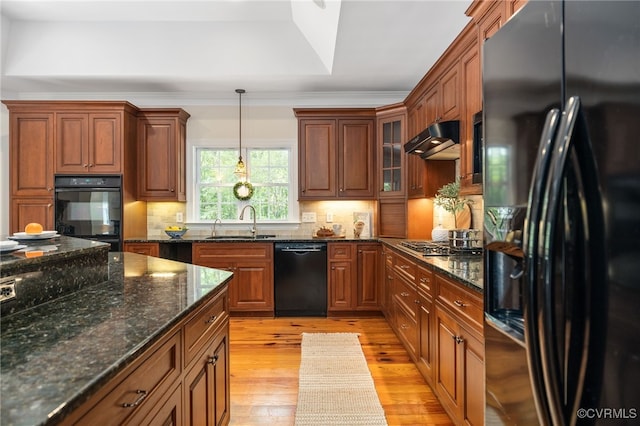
[[253, 229], [213, 230]]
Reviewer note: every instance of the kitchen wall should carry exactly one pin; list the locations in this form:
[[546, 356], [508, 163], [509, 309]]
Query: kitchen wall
[[159, 215]]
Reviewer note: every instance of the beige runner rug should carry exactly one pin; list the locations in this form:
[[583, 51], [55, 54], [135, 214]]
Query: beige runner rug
[[336, 387]]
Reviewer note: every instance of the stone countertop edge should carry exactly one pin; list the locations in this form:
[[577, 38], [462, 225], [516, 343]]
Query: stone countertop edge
[[434, 262], [234, 238], [105, 325]]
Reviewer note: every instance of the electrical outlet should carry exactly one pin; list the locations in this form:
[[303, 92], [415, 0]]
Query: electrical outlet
[[309, 217], [179, 217], [329, 217], [7, 289]]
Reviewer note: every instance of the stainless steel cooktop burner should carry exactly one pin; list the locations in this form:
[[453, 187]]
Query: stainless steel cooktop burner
[[437, 248]]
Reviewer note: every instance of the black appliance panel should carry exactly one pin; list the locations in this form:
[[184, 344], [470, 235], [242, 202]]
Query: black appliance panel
[[89, 207], [300, 279]]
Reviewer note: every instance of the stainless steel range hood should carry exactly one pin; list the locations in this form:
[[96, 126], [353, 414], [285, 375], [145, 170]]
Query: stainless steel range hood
[[440, 141]]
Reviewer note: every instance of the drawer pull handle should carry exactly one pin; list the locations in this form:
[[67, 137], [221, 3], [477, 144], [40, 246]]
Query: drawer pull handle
[[424, 280], [213, 359], [459, 303], [404, 326], [211, 319], [142, 394], [404, 266], [417, 302], [404, 294]]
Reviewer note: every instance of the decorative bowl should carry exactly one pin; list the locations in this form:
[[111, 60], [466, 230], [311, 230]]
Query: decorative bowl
[[176, 234]]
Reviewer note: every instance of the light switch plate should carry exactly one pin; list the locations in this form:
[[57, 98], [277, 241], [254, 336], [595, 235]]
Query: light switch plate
[[329, 217], [309, 217], [179, 217]]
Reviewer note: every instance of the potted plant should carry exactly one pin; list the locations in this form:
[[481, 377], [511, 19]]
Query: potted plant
[[448, 198]]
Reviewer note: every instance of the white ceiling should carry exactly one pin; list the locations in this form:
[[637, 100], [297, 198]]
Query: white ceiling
[[305, 52]]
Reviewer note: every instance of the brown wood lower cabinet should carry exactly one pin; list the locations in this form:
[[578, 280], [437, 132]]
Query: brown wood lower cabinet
[[181, 379], [251, 289], [354, 277], [148, 249], [206, 397], [439, 321]]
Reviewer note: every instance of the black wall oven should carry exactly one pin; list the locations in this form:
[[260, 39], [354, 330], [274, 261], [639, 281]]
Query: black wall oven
[[477, 148], [89, 207]]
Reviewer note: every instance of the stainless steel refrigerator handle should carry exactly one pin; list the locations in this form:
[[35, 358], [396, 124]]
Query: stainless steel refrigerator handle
[[530, 240]]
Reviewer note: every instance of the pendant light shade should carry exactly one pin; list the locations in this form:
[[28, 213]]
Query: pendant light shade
[[241, 169]]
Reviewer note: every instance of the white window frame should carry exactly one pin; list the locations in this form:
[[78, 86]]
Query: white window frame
[[192, 167]]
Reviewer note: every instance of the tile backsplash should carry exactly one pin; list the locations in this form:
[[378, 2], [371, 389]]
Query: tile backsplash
[[159, 215]]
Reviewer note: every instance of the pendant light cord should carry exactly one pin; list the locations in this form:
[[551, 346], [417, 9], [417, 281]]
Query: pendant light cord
[[240, 92]]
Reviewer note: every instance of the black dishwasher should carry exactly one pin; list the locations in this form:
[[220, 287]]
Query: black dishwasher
[[300, 279]]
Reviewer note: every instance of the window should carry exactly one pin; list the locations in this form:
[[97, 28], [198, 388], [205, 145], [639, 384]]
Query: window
[[269, 173]]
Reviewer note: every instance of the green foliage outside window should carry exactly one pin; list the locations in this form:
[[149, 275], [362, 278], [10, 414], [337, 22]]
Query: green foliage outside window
[[268, 173]]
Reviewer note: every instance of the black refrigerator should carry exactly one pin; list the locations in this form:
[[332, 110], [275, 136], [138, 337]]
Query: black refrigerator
[[561, 132]]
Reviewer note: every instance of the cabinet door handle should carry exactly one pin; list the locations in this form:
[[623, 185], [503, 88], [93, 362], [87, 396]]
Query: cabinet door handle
[[211, 319], [404, 294], [459, 303], [417, 302], [458, 339], [142, 394], [213, 359]]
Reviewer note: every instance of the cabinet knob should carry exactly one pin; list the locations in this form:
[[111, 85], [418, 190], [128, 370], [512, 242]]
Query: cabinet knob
[[341, 189], [211, 319], [404, 294], [91, 164], [172, 190], [213, 359], [85, 165], [49, 189]]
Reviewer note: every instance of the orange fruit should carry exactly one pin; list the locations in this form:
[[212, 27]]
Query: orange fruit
[[33, 253], [33, 228]]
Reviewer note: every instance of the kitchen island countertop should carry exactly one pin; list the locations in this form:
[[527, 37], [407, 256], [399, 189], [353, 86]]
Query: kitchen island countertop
[[55, 355]]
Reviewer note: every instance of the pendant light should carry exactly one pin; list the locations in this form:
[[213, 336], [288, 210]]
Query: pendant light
[[241, 169]]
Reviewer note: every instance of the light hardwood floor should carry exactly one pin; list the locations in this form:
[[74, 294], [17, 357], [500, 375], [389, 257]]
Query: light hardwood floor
[[265, 357]]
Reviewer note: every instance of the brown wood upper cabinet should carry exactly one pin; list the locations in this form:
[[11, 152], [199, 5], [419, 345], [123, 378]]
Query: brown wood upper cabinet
[[162, 136], [336, 153], [89, 142], [391, 139], [48, 137]]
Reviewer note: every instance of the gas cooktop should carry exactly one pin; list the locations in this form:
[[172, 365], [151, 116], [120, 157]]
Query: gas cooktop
[[438, 248]]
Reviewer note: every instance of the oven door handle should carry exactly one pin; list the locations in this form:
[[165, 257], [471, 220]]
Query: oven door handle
[[86, 189]]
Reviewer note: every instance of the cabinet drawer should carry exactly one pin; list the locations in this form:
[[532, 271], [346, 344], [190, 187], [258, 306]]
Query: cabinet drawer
[[405, 267], [425, 281], [407, 328], [201, 327], [239, 251], [340, 251], [405, 293], [460, 300], [141, 389]]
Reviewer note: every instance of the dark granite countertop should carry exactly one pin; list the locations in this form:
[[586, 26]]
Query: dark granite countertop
[[466, 269], [240, 238], [55, 355], [38, 252]]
